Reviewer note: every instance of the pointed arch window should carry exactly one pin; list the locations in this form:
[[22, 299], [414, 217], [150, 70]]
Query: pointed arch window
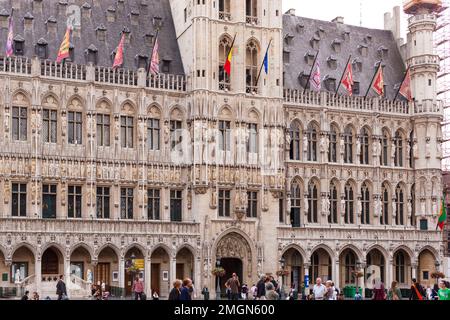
[[384, 218], [398, 143], [350, 267], [312, 142], [333, 217], [348, 145], [364, 141], [332, 148], [400, 267], [224, 78], [349, 199], [365, 204], [400, 206], [251, 66], [384, 157], [296, 201], [312, 203], [295, 148], [19, 123]]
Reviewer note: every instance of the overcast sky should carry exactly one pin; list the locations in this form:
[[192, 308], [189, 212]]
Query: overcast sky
[[372, 11]]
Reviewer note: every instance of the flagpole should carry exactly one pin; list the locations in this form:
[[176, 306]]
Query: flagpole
[[229, 51], [153, 51], [343, 74], [371, 82], [401, 84], [309, 77], [262, 64]]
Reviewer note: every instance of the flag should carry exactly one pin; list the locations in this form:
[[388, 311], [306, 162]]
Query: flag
[[442, 216], [118, 59], [315, 77], [9, 42], [154, 63], [63, 52], [347, 80], [266, 62], [227, 66], [405, 88], [378, 83]]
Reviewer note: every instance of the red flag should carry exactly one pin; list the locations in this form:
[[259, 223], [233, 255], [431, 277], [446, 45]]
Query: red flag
[[118, 59], [154, 63], [405, 88], [64, 49], [227, 66], [315, 77], [378, 83], [347, 81]]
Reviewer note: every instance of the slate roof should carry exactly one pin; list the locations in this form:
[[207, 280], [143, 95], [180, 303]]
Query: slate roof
[[54, 12], [352, 40]]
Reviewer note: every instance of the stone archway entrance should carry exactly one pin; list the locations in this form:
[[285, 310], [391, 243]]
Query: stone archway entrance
[[235, 255]]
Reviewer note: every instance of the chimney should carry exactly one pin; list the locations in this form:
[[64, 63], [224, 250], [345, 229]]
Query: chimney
[[86, 10], [4, 19], [62, 7], [392, 23], [338, 20], [51, 25], [291, 12], [37, 7]]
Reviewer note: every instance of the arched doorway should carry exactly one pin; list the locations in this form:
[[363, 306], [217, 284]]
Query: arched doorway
[[402, 268], [427, 265], [294, 266], [321, 266], [52, 264], [3, 267], [160, 272], [24, 261], [80, 263], [185, 264], [107, 268], [134, 268], [235, 256], [347, 268], [375, 268]]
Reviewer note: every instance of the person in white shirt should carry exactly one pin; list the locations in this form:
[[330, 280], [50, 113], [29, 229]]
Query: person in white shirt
[[319, 290], [254, 292]]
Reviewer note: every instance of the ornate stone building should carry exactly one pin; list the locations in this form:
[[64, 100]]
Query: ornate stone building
[[106, 174]]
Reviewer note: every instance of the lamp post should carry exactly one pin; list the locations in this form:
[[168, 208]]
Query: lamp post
[[218, 291], [282, 265]]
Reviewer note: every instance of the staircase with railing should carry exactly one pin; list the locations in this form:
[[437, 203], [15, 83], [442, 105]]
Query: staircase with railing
[[78, 288]]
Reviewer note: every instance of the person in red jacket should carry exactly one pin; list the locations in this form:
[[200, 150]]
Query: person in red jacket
[[138, 289]]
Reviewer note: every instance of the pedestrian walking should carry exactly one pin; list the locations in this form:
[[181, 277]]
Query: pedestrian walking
[[261, 289], [434, 292], [175, 293], [61, 291], [205, 293], [35, 296], [293, 293], [244, 292], [233, 285], [254, 291], [185, 293], [138, 289], [379, 292], [25, 296], [329, 291], [444, 291], [394, 292], [271, 294], [319, 290], [417, 291]]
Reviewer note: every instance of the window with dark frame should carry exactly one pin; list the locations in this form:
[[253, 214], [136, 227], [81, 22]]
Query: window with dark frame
[[74, 203], [19, 200], [400, 206], [153, 134], [153, 204], [75, 127], [175, 134], [313, 199], [333, 216], [349, 199], [103, 203], [312, 143], [224, 203], [295, 148], [252, 207], [332, 152], [252, 146], [126, 203], [176, 205], [364, 141], [49, 201], [19, 123], [126, 131], [103, 130], [224, 135], [365, 204], [384, 218], [348, 145], [50, 125]]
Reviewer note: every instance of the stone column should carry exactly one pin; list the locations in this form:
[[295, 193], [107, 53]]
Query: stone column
[[389, 273], [66, 274], [414, 266], [361, 280], [38, 274], [306, 269], [197, 276], [337, 274], [173, 270], [122, 275], [148, 277]]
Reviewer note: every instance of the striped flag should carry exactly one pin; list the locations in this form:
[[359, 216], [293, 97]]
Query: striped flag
[[9, 42], [118, 59], [63, 52], [405, 88], [315, 77], [443, 215], [154, 63], [347, 80], [378, 83]]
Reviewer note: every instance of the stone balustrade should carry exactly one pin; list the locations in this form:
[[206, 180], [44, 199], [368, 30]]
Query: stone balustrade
[[97, 226], [422, 18]]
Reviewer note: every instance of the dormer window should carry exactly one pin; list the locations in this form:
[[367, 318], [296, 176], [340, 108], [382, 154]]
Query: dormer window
[[101, 32], [71, 53], [41, 48], [309, 58], [336, 45], [346, 35], [321, 32], [141, 61], [368, 38], [288, 39], [315, 42], [165, 66], [363, 50], [286, 56], [357, 65], [19, 48], [330, 83], [303, 79], [300, 28], [383, 52], [91, 54], [332, 62], [157, 22]]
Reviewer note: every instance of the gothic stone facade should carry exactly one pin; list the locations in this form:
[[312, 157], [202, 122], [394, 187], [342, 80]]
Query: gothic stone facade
[[101, 168]]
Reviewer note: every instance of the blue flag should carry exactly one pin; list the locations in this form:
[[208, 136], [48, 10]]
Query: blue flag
[[266, 62]]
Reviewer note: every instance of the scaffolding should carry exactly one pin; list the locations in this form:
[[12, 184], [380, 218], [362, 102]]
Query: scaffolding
[[442, 47]]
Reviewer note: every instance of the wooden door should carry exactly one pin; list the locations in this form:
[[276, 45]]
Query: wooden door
[[102, 272], [156, 278]]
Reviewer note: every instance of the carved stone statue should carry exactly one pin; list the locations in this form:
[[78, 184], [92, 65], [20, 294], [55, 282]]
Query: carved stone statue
[[423, 209], [358, 207], [342, 147], [394, 208], [90, 276], [326, 206], [409, 209], [393, 151], [305, 201], [17, 278], [358, 147], [323, 143], [342, 207], [439, 149], [305, 144], [428, 149], [415, 150], [288, 140]]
